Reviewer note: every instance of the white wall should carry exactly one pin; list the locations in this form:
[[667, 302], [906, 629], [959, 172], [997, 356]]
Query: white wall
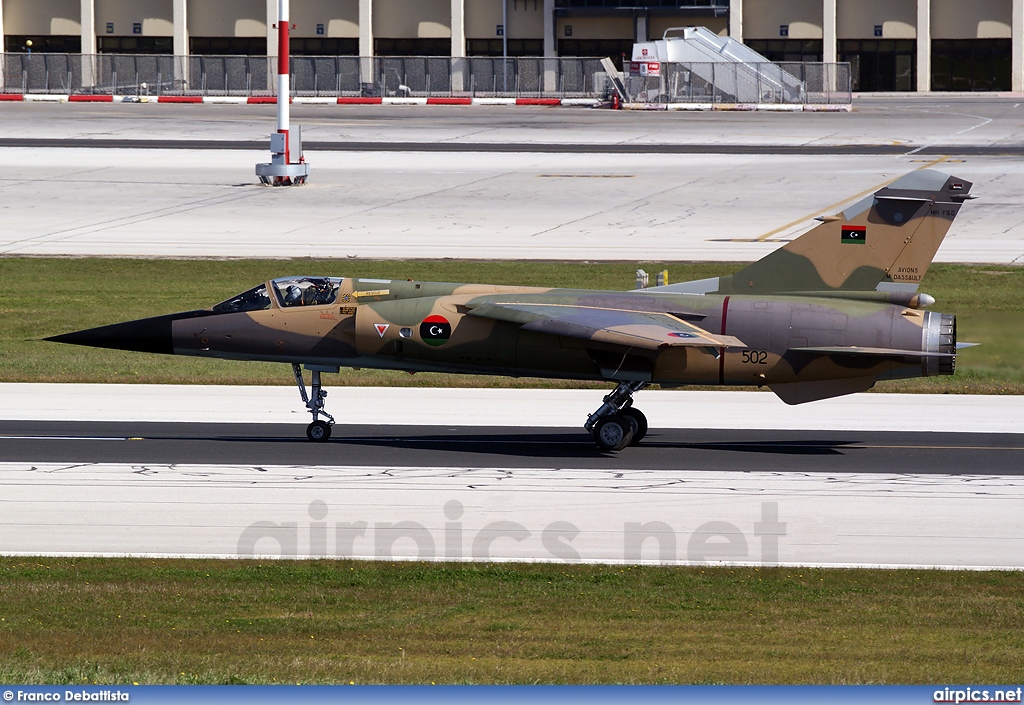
[[856, 19], [658, 25], [403, 19], [156, 16], [761, 18], [42, 17], [595, 28], [340, 18], [977, 19], [227, 18]]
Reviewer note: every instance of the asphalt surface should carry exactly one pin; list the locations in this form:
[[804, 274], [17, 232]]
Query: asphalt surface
[[535, 148], [484, 182], [437, 446]]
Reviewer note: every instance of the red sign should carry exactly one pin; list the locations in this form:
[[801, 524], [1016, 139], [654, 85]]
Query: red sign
[[644, 68]]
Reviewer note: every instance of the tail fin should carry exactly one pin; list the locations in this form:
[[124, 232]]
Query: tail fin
[[884, 242]]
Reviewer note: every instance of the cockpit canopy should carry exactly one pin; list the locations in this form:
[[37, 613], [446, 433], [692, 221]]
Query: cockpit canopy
[[306, 291], [290, 291]]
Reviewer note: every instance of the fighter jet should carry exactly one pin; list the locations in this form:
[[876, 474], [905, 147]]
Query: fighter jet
[[829, 313]]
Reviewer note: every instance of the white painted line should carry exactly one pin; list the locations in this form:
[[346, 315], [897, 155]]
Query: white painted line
[[494, 101], [403, 101], [225, 100], [690, 106], [44, 98], [551, 408], [315, 100], [983, 121], [828, 108], [780, 108], [614, 516], [588, 102]]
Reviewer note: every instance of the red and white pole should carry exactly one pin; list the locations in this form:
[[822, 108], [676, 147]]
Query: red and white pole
[[283, 71], [282, 170]]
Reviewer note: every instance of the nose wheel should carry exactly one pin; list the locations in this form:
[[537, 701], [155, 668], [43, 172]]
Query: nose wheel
[[319, 430], [617, 424]]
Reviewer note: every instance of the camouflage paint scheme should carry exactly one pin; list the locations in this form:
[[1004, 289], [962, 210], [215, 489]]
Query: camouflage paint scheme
[[829, 313]]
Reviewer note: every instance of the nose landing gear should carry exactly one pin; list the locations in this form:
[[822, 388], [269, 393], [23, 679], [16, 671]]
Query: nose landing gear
[[318, 431], [616, 424]]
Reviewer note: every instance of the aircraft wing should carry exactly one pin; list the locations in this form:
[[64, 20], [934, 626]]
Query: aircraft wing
[[877, 352], [638, 329]]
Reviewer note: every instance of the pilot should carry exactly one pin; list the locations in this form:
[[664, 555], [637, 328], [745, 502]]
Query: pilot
[[292, 296], [324, 292]]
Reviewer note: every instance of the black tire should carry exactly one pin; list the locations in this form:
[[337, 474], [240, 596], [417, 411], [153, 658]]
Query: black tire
[[614, 432], [318, 431], [641, 423]]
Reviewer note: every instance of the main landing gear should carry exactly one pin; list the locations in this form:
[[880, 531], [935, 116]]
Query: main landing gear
[[318, 431], [617, 424]]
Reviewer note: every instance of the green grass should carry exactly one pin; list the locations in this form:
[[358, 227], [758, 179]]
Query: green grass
[[47, 296], [207, 621]]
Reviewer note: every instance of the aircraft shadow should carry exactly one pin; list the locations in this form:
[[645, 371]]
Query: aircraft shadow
[[552, 445]]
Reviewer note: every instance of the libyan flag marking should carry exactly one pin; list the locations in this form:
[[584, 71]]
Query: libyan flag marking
[[854, 235], [435, 330]]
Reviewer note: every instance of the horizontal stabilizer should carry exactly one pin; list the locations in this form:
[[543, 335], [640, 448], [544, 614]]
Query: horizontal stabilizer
[[640, 329], [874, 352]]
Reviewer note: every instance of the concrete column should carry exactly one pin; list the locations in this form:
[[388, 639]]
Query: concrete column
[[640, 21], [736, 20], [458, 63], [550, 48], [3, 69], [179, 13], [365, 27], [550, 45], [88, 18], [459, 27], [924, 45], [829, 45], [272, 47], [180, 18], [367, 75], [88, 26], [1017, 50]]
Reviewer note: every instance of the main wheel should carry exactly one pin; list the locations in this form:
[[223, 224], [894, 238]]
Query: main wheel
[[614, 432], [318, 431], [641, 423]]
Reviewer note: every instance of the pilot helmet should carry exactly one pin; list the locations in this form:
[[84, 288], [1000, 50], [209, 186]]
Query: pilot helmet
[[292, 294]]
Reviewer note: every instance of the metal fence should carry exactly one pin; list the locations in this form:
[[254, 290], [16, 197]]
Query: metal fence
[[418, 76], [784, 83], [155, 74]]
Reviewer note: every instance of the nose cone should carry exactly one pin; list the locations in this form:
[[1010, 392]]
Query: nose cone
[[145, 335]]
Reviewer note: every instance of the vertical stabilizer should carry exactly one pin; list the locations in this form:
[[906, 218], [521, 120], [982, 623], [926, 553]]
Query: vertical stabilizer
[[884, 242]]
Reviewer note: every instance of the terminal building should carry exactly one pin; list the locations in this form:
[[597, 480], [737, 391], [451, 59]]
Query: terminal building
[[891, 45]]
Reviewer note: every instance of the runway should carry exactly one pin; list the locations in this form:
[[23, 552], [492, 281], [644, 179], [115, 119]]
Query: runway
[[416, 493], [459, 475], [717, 450]]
